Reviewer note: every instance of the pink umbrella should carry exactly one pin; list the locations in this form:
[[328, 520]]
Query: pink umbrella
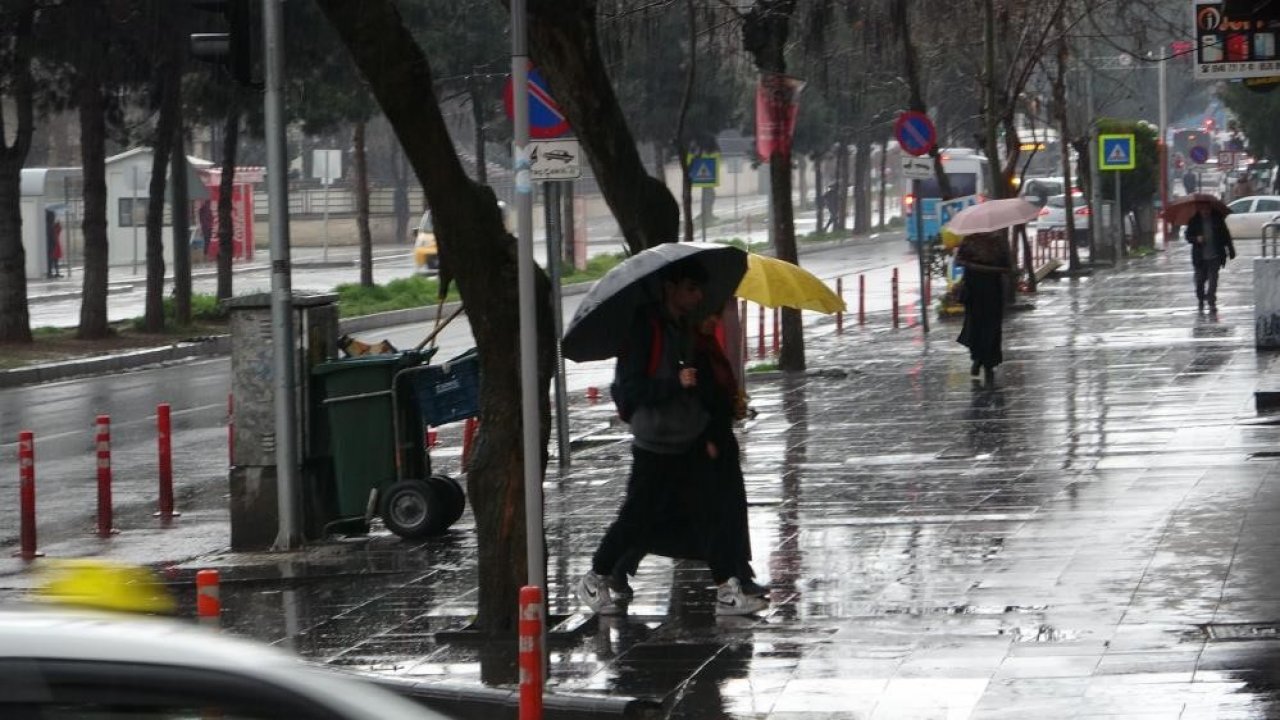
[[992, 215]]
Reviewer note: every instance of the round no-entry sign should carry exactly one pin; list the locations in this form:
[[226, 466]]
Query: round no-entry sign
[[545, 119], [915, 132]]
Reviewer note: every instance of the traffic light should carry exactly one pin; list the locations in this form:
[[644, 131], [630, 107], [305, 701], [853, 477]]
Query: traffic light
[[234, 48]]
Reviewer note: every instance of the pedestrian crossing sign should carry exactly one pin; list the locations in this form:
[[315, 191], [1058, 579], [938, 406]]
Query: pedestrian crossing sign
[[1116, 151], [704, 170]]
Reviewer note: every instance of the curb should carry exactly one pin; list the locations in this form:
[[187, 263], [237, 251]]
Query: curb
[[469, 701]]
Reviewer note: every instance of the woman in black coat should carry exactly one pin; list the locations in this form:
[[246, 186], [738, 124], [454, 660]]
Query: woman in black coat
[[985, 257]]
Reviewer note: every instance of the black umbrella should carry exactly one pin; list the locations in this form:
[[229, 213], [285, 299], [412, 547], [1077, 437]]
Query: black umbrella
[[611, 303]]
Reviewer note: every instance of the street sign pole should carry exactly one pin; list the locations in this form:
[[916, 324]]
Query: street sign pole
[[1119, 218], [924, 309], [528, 318]]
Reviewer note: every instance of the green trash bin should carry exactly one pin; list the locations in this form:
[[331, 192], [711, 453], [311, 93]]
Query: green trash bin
[[357, 398]]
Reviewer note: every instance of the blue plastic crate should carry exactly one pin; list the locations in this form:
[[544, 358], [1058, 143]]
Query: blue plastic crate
[[450, 391]]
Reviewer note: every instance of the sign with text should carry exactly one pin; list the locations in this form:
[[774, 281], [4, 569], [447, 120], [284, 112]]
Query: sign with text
[[555, 160], [917, 168], [1230, 47]]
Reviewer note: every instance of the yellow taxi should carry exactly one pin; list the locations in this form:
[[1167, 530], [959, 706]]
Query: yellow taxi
[[426, 258]]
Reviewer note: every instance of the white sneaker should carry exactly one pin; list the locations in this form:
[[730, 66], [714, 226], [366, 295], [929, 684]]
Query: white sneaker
[[730, 600], [593, 591]]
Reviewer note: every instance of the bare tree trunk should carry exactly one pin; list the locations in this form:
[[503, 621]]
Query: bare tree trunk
[[862, 185], [479, 254], [160, 149], [181, 226], [1064, 149], [91, 103], [226, 187], [764, 35], [15, 318], [911, 66], [818, 193], [562, 36], [362, 204], [400, 196], [884, 162], [842, 185], [990, 106], [682, 148], [477, 119]]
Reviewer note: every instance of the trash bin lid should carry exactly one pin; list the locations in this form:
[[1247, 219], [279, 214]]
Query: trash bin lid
[[406, 358]]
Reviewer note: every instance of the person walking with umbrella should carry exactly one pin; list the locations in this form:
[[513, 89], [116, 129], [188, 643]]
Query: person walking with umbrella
[[1211, 246], [985, 256], [656, 391]]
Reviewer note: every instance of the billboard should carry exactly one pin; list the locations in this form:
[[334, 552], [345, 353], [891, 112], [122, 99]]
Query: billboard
[[1231, 47]]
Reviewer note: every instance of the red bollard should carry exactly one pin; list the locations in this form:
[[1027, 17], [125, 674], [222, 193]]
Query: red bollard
[[164, 438], [208, 599], [862, 299], [530, 629], [103, 442], [777, 335], [893, 291], [231, 430], [27, 496], [760, 345], [432, 437], [593, 394], [468, 435], [840, 313]]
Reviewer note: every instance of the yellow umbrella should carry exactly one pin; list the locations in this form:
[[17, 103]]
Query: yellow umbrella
[[776, 283]]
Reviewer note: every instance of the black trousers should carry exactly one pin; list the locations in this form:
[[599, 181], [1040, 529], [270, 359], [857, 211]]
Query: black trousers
[[1206, 276], [669, 508]]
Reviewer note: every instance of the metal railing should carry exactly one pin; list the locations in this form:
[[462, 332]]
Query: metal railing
[[1271, 238]]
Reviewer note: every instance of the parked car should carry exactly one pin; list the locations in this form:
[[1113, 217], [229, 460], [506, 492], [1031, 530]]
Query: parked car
[[426, 258], [1038, 190], [1249, 214], [1053, 216]]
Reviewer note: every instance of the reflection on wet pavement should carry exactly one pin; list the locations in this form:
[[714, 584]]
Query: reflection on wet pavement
[[1092, 537]]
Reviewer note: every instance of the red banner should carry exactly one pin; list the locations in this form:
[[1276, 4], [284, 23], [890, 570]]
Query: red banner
[[777, 103]]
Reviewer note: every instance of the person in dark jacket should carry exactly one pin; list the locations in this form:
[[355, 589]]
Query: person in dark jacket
[[657, 378], [985, 257], [1211, 247], [711, 512]]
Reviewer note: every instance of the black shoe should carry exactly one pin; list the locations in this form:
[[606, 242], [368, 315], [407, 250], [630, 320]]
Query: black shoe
[[974, 368], [989, 376], [1201, 306], [620, 588]]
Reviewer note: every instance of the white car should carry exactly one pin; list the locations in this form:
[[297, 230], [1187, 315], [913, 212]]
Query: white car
[[97, 665], [1053, 216], [1249, 214]]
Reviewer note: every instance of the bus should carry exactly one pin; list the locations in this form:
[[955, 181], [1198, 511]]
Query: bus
[[968, 174]]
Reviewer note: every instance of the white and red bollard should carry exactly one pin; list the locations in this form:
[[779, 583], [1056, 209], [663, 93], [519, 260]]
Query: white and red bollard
[[468, 436], [208, 599], [103, 444], [530, 630], [893, 291], [840, 312], [433, 437], [862, 299], [760, 335], [593, 394], [164, 442], [27, 496]]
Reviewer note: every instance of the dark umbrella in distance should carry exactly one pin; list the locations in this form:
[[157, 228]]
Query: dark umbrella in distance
[[1181, 211], [598, 327]]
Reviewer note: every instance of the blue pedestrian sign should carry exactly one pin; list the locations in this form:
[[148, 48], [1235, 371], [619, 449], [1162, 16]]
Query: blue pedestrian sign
[[1115, 151], [704, 170]]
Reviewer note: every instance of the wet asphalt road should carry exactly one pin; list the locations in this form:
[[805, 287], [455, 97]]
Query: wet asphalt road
[[1093, 537]]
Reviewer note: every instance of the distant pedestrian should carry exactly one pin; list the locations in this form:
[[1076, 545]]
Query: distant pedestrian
[[985, 257], [1190, 181], [830, 201], [205, 217], [657, 382], [1243, 188], [55, 269], [1211, 247]]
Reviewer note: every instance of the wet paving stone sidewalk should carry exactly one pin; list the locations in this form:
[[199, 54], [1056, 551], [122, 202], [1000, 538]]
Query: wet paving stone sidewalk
[[1094, 536]]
